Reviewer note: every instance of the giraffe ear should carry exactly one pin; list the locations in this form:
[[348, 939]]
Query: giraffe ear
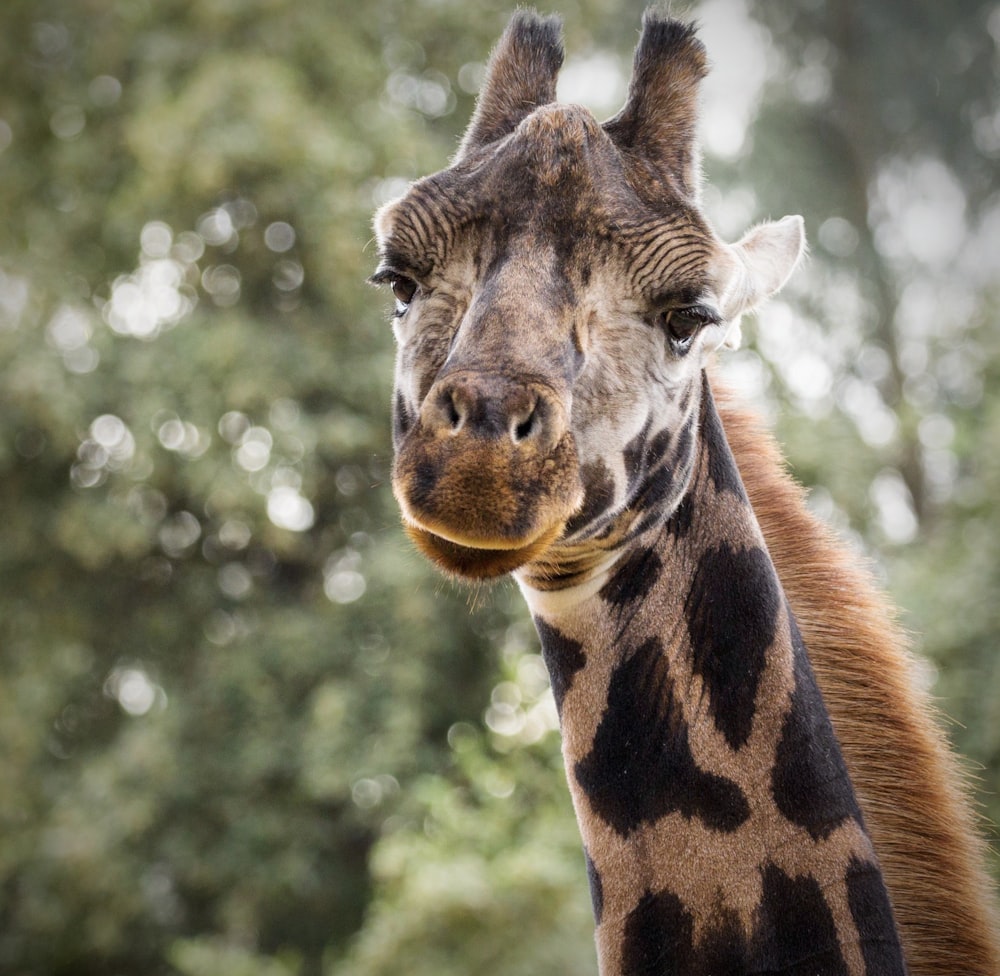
[[661, 112], [520, 77], [761, 262]]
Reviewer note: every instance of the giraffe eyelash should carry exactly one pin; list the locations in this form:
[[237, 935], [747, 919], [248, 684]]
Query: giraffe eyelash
[[404, 287]]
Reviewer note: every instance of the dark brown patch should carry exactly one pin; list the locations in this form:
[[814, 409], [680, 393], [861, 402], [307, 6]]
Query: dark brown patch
[[809, 781], [633, 577], [731, 612], [663, 487], [873, 918], [402, 420], [563, 658], [634, 454], [422, 485], [598, 495], [721, 466], [596, 888], [679, 523], [659, 940], [641, 767], [659, 937], [795, 933]]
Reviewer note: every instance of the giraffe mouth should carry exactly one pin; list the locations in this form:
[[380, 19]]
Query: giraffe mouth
[[478, 562], [484, 510]]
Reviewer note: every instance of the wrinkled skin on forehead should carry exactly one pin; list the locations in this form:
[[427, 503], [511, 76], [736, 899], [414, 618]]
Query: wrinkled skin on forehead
[[557, 296]]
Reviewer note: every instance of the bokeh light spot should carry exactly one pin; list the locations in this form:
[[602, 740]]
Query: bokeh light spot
[[235, 534], [233, 426], [104, 91], [254, 451], [839, 237], [67, 122], [894, 506], [288, 275], [134, 691], [279, 236], [287, 509], [150, 299], [235, 581], [343, 581], [216, 227], [68, 329], [179, 533], [155, 239], [222, 282]]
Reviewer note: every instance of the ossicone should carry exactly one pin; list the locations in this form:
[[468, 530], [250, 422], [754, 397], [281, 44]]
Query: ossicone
[[658, 122], [520, 77]]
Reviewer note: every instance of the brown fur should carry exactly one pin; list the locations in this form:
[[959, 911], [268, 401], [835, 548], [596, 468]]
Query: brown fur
[[912, 793]]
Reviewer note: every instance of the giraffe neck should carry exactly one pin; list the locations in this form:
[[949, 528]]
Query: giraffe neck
[[721, 830]]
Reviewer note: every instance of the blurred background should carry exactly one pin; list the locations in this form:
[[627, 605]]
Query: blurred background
[[245, 731]]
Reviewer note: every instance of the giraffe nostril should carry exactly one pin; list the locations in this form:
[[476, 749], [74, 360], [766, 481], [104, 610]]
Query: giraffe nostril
[[487, 407], [527, 423], [454, 414], [452, 409], [525, 428]]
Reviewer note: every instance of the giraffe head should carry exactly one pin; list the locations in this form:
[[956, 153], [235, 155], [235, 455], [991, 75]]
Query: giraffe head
[[558, 292]]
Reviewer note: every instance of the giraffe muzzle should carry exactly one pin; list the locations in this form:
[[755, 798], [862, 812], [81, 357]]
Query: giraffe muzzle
[[488, 476]]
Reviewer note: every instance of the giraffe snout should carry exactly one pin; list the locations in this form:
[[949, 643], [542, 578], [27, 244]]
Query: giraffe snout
[[488, 476], [489, 407]]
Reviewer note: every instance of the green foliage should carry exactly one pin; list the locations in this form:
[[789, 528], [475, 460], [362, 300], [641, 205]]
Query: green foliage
[[485, 874], [211, 957], [210, 624], [246, 730]]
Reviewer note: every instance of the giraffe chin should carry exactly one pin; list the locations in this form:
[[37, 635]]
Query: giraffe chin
[[478, 562]]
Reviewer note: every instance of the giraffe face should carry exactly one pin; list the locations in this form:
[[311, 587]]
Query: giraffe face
[[557, 294]]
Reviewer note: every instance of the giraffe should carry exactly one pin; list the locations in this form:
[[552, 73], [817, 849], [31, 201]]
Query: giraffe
[[759, 786]]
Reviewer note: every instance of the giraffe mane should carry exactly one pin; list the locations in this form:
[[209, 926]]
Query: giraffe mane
[[914, 794]]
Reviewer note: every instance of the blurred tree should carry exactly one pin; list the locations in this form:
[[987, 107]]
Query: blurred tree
[[218, 669], [245, 730]]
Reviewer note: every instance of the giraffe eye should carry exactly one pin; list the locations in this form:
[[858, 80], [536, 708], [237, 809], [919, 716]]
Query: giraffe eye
[[683, 324], [403, 289]]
